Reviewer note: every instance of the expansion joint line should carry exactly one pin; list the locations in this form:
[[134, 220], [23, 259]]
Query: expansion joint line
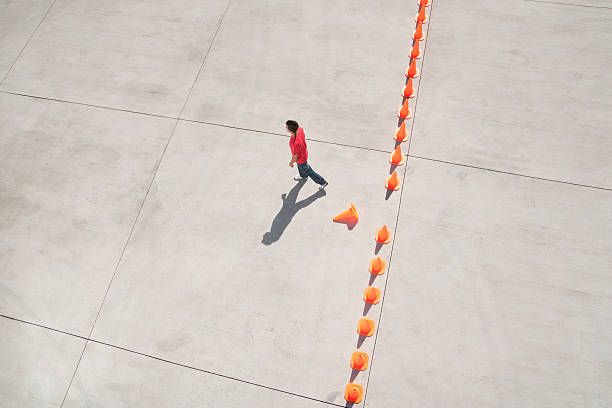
[[354, 393], [28, 41], [144, 200]]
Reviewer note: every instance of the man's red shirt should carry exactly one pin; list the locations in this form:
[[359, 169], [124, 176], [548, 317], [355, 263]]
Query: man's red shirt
[[298, 146]]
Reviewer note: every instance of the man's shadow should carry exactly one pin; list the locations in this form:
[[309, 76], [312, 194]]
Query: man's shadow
[[288, 210]]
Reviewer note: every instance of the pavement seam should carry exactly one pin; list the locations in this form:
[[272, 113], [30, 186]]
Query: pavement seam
[[382, 301], [89, 339], [186, 120], [127, 241], [511, 173], [568, 4], [28, 41], [90, 105], [313, 140]]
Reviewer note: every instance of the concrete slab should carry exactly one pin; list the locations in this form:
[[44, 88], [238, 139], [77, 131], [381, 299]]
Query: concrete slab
[[18, 20], [136, 55], [112, 377], [221, 275], [522, 87], [499, 294], [72, 180], [337, 66], [37, 364], [578, 3]]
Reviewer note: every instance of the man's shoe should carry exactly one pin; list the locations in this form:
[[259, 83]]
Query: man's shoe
[[322, 186], [298, 178]]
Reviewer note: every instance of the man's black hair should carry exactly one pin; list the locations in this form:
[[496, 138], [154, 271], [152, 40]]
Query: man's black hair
[[292, 125]]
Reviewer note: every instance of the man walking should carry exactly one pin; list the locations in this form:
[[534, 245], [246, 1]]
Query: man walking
[[299, 153]]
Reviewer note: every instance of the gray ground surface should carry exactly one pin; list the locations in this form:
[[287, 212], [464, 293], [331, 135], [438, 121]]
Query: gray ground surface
[[155, 251]]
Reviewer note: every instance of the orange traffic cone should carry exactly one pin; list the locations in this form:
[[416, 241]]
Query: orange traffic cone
[[412, 71], [408, 90], [393, 182], [416, 52], [359, 361], [423, 3], [400, 133], [353, 393], [347, 216], [383, 235], [404, 111], [371, 295], [397, 158], [377, 265], [365, 327], [418, 33], [421, 17]]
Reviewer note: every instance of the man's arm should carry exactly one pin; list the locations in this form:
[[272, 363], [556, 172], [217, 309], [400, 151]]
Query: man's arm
[[293, 160]]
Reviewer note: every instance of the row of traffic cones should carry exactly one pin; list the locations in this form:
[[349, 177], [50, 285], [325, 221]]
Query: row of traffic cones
[[372, 295], [408, 92], [365, 327]]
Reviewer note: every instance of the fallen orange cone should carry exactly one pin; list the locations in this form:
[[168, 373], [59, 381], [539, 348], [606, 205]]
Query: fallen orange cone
[[353, 393], [397, 158], [377, 265], [412, 71], [349, 215], [371, 295], [393, 182], [359, 361], [365, 327], [404, 111], [418, 33], [408, 90], [421, 17], [383, 235], [400, 133], [416, 52]]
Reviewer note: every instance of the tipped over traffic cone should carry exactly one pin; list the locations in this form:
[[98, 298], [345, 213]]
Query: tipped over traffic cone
[[404, 111], [353, 393], [423, 3], [377, 265], [415, 53], [371, 295], [421, 17], [418, 33], [408, 90], [397, 158], [365, 327], [359, 361], [393, 182], [383, 235], [412, 71], [400, 133], [348, 216]]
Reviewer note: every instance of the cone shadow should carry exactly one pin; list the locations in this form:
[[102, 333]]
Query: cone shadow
[[372, 278], [349, 404], [354, 374], [378, 248], [288, 210], [360, 340], [366, 307], [350, 224], [393, 166], [388, 194]]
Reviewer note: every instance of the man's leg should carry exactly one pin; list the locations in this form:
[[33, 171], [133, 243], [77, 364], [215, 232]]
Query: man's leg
[[314, 175], [302, 169]]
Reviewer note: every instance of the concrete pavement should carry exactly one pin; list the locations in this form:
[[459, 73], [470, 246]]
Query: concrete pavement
[[155, 251]]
